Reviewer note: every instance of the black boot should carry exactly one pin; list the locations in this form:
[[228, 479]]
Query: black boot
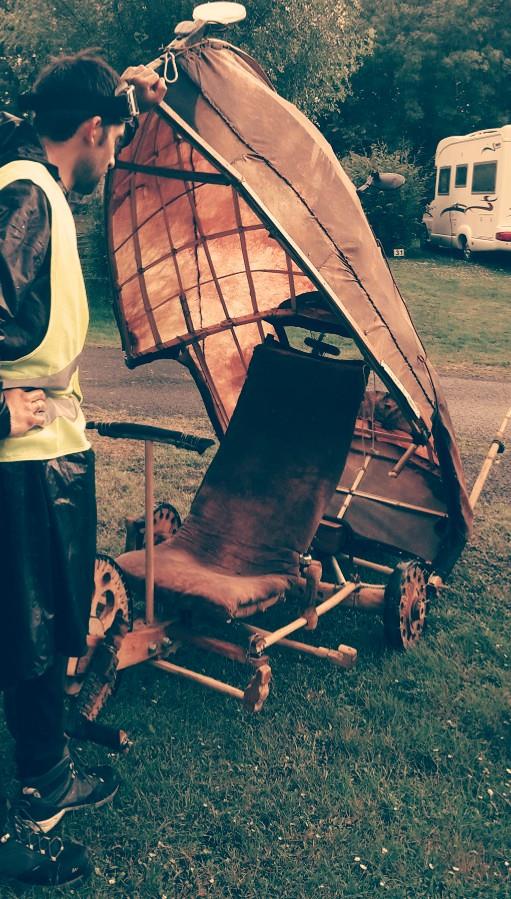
[[65, 788], [28, 856]]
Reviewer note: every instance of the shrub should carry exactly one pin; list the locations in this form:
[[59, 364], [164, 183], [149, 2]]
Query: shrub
[[394, 215]]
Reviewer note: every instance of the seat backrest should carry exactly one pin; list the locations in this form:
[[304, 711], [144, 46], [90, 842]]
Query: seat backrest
[[283, 453]]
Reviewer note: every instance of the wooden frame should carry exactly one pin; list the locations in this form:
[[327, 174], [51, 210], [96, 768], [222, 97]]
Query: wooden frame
[[154, 641]]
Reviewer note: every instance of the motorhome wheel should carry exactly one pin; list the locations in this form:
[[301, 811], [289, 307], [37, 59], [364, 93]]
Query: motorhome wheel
[[466, 252], [424, 240]]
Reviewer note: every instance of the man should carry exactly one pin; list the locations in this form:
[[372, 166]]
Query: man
[[47, 499]]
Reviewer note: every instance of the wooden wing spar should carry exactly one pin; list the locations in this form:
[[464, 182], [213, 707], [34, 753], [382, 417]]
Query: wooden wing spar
[[230, 219]]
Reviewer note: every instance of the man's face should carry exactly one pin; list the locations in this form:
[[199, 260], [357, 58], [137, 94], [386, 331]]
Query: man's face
[[97, 158]]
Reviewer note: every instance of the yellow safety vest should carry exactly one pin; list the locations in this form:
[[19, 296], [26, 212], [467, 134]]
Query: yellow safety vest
[[53, 365]]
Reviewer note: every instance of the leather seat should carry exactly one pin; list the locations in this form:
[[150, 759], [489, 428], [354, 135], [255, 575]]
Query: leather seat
[[264, 494]]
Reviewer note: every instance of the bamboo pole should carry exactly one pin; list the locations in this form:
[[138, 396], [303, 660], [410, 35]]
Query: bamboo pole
[[496, 447], [338, 573], [278, 635], [149, 531], [397, 504], [344, 656], [351, 492], [203, 679]]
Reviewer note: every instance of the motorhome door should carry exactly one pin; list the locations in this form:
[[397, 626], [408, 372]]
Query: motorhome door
[[483, 198], [441, 206]]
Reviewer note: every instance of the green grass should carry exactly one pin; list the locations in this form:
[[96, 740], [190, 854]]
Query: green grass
[[462, 311], [393, 779], [390, 780]]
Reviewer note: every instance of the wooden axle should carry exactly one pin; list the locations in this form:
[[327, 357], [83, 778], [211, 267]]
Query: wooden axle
[[370, 597]]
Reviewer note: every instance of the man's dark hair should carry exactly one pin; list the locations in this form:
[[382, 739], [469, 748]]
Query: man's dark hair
[[70, 90]]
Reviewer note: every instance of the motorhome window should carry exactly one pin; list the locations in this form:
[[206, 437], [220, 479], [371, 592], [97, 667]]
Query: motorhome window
[[444, 180], [461, 176], [484, 178]]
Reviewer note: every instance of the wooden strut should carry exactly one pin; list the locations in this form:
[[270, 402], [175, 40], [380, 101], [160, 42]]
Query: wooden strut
[[260, 645], [203, 679], [344, 656], [496, 447], [366, 563], [149, 531], [351, 493], [338, 571], [254, 695], [401, 462], [396, 504], [174, 174]]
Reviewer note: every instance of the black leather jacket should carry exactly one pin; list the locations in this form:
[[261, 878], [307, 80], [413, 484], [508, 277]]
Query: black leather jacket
[[25, 227]]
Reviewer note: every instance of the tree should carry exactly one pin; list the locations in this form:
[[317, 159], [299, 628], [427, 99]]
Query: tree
[[310, 52], [437, 69]]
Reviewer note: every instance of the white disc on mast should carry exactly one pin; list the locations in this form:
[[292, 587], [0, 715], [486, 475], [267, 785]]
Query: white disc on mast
[[220, 13]]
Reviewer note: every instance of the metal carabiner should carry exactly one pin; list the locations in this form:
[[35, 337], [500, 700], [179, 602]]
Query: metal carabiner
[[169, 58]]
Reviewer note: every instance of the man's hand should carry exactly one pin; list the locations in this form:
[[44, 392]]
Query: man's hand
[[27, 410], [149, 87]]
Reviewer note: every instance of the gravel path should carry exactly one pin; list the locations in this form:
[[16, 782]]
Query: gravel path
[[165, 388]]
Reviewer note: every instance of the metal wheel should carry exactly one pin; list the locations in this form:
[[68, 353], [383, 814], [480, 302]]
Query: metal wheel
[[110, 595], [166, 520], [404, 612]]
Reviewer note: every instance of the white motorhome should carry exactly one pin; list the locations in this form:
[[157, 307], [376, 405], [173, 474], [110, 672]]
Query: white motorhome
[[471, 210]]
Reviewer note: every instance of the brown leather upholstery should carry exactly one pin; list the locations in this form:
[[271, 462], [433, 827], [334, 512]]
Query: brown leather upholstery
[[265, 491]]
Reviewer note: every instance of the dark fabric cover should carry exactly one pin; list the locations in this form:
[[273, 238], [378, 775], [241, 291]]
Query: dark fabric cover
[[265, 492], [197, 263], [47, 551]]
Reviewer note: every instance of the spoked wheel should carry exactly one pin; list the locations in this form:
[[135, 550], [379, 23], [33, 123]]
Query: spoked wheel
[[93, 678], [404, 612], [110, 596], [166, 521]]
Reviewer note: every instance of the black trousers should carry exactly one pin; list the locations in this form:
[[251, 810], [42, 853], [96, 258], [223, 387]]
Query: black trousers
[[34, 712], [47, 550]]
